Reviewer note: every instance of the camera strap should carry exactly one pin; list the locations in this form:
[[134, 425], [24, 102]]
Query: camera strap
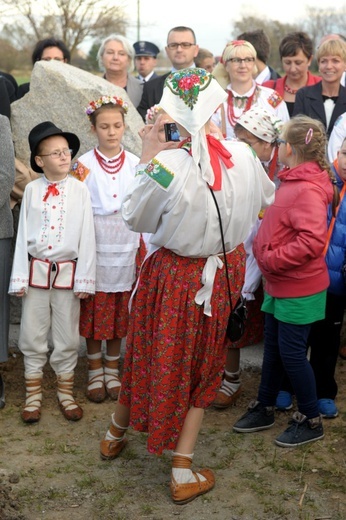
[[223, 247]]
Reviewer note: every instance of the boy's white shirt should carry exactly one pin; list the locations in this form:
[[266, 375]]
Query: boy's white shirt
[[59, 229]]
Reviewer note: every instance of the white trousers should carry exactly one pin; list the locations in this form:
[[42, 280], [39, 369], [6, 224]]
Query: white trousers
[[44, 310]]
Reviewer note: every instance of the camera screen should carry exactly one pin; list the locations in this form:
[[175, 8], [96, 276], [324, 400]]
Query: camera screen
[[171, 132]]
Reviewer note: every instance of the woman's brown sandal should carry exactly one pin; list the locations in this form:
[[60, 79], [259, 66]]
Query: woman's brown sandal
[[185, 493], [110, 449]]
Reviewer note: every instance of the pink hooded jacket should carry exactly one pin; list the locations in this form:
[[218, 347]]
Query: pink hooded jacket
[[290, 242]]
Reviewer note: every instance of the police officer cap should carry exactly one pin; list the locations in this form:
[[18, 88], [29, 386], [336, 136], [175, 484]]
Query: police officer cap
[[146, 49]]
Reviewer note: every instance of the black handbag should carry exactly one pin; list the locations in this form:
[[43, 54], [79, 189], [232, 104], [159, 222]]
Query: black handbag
[[236, 321]]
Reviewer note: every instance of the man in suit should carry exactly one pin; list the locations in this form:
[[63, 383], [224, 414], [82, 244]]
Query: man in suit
[[181, 50], [145, 60], [261, 42]]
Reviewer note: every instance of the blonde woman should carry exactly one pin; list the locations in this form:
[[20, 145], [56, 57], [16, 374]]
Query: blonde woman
[[235, 73]]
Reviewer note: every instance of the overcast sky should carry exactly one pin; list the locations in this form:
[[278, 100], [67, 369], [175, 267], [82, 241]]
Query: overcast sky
[[210, 19]]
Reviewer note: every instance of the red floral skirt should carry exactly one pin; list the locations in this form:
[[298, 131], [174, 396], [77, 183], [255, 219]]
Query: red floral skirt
[[105, 316], [175, 354]]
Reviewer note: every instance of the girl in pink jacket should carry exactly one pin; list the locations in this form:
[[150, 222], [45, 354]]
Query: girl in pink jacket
[[289, 251]]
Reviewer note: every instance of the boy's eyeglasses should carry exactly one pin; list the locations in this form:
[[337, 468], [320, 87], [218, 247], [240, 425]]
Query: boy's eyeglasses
[[56, 155], [183, 45], [238, 61]]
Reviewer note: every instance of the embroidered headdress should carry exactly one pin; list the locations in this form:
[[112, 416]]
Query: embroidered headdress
[[263, 124], [106, 100], [190, 97]]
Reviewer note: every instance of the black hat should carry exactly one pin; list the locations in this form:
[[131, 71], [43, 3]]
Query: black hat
[[146, 49], [44, 130]]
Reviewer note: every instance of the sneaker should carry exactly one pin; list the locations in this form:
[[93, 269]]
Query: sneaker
[[283, 401], [327, 408], [258, 417], [301, 431]]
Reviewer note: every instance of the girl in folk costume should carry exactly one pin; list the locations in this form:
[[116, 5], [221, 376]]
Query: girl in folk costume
[[289, 249], [235, 74], [259, 129], [108, 170], [175, 349]]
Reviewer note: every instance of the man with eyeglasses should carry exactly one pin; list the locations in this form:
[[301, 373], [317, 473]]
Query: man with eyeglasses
[[181, 50]]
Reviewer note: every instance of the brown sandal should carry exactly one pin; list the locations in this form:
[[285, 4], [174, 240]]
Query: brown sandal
[[69, 408], [185, 493], [111, 377], [98, 394], [33, 400]]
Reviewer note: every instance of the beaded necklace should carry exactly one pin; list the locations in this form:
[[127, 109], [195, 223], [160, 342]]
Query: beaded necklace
[[290, 90], [113, 166], [232, 118]]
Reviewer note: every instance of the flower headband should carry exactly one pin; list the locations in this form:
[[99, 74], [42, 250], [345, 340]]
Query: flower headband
[[106, 100], [151, 113]]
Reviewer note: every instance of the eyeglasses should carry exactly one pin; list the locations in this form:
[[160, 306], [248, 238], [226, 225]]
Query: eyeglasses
[[183, 45], [238, 61], [281, 141], [50, 59], [56, 155]]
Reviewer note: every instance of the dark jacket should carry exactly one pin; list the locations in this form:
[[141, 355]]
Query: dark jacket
[[309, 101], [273, 73], [152, 94]]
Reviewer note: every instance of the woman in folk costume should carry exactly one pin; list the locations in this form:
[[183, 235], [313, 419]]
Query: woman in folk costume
[[108, 170], [235, 74], [175, 349]]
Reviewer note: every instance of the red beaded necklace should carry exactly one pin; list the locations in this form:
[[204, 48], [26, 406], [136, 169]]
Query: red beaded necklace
[[113, 166], [230, 112], [290, 90]]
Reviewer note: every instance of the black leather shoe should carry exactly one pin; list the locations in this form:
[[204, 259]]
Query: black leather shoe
[[2, 392]]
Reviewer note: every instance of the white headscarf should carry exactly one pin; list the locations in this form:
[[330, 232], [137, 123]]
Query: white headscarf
[[263, 124], [190, 97]]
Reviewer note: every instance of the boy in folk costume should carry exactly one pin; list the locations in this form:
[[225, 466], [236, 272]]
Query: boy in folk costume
[[53, 267], [108, 171]]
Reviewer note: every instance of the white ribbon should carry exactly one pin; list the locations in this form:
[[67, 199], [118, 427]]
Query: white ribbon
[[208, 276]]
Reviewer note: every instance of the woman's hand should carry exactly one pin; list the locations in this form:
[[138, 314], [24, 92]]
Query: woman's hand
[[153, 139]]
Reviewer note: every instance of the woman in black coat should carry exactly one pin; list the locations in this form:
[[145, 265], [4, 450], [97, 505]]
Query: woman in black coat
[[326, 100]]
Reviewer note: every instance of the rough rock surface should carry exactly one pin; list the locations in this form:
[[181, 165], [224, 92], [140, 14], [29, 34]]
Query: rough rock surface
[[60, 93]]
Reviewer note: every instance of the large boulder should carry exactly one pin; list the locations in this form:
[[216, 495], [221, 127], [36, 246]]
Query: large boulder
[[60, 93]]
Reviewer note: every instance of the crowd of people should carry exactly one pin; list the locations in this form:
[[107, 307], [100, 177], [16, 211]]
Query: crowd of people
[[112, 246]]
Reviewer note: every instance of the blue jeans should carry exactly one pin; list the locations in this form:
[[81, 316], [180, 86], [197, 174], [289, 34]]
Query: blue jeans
[[285, 346]]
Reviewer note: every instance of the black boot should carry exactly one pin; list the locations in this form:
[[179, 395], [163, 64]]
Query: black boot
[[2, 392]]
